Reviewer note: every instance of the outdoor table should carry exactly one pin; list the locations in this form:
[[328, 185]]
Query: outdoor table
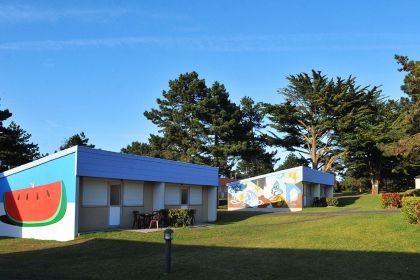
[[146, 218]]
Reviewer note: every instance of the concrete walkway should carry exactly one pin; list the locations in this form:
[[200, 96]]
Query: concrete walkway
[[147, 230]]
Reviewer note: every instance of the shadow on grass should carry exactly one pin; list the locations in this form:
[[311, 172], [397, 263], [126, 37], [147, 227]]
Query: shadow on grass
[[125, 259], [225, 217], [347, 200]]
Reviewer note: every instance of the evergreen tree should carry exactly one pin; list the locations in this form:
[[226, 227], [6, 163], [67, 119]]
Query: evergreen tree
[[254, 159], [365, 157], [198, 124], [221, 118], [78, 139], [15, 146], [179, 118], [404, 147], [292, 161], [315, 112]]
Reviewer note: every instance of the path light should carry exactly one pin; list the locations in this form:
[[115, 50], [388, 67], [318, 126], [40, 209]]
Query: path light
[[168, 236]]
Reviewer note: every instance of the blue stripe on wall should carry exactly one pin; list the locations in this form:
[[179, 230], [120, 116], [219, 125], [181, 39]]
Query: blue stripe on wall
[[60, 169]]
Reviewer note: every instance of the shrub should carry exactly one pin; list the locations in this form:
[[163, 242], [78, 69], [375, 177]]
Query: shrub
[[319, 202], [412, 192], [332, 201], [184, 217], [390, 200], [418, 212], [410, 209]]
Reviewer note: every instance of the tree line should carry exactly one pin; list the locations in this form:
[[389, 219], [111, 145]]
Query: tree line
[[329, 124]]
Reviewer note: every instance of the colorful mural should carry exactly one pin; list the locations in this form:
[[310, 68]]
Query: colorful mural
[[40, 202], [277, 190], [35, 206]]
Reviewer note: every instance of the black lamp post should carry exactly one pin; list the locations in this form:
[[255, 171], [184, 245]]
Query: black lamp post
[[168, 236]]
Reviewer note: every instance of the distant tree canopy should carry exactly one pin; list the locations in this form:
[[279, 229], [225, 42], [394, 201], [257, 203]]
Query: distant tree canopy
[[386, 146], [15, 146], [334, 125], [78, 139]]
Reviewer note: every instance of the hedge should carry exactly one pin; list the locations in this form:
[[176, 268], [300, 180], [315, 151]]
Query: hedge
[[390, 200], [410, 209], [332, 201], [183, 217], [412, 192]]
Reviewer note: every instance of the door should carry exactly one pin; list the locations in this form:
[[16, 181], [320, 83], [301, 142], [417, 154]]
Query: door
[[115, 205]]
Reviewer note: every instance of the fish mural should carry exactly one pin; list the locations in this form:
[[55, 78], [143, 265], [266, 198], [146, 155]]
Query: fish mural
[[277, 190]]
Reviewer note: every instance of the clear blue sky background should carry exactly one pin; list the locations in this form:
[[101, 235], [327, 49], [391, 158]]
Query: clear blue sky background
[[95, 66]]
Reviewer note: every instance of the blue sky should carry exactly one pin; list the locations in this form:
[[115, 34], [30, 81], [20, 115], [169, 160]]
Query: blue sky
[[95, 66]]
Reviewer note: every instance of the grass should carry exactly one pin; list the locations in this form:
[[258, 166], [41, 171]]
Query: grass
[[364, 202], [245, 245]]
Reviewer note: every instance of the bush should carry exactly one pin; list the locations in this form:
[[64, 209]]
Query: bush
[[332, 201], [390, 200], [412, 192], [319, 202], [410, 209], [184, 217]]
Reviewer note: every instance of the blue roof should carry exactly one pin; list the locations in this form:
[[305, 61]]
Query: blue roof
[[315, 176], [307, 175], [105, 164]]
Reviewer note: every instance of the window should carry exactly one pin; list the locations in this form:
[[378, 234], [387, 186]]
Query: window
[[133, 193], [95, 193], [172, 194], [184, 196], [115, 196], [196, 195]]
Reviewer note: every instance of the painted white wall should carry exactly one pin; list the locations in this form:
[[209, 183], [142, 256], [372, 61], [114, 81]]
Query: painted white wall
[[63, 230], [158, 196], [212, 203], [417, 183]]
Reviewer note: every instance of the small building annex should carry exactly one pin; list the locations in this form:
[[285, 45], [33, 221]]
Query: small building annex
[[83, 189], [285, 190]]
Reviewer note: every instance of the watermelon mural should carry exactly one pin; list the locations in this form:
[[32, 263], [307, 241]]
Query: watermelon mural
[[276, 190], [39, 200], [35, 206]]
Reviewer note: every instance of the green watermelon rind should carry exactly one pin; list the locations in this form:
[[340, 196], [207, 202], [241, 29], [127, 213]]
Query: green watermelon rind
[[62, 207]]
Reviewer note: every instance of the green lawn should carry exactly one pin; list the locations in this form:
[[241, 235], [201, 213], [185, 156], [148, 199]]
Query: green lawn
[[365, 202], [242, 245]]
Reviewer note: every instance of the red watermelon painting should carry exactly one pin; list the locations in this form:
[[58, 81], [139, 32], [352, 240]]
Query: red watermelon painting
[[35, 206]]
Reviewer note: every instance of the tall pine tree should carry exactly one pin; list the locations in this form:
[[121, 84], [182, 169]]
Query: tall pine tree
[[78, 139], [254, 158], [315, 111], [15, 146]]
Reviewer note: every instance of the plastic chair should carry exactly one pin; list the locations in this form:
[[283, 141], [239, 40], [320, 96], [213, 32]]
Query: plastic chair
[[155, 220], [137, 220]]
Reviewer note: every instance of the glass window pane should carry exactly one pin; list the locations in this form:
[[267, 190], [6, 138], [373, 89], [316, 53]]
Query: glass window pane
[[184, 196], [115, 196]]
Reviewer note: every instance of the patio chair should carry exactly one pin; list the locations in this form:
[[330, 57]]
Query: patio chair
[[137, 219], [155, 220]]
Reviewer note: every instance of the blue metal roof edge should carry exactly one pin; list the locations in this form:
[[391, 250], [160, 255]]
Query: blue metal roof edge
[[145, 158], [316, 176]]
